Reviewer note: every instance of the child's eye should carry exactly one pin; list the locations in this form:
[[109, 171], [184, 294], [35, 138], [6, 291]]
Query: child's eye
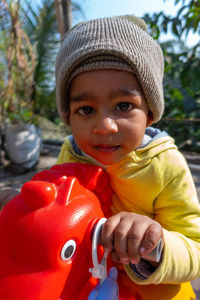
[[85, 110], [124, 106]]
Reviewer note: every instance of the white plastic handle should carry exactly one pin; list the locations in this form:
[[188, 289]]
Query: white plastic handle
[[98, 270]]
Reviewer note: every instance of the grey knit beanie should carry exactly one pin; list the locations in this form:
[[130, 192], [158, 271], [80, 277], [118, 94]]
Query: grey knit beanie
[[111, 43]]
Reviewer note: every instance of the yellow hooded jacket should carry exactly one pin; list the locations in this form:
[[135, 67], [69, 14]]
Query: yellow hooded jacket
[[155, 181]]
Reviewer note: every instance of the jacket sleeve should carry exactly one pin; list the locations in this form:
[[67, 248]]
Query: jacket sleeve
[[177, 209]]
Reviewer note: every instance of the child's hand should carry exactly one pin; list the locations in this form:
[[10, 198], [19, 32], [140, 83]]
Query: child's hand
[[130, 236]]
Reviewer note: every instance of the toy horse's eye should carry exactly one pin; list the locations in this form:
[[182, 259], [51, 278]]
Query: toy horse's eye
[[68, 250]]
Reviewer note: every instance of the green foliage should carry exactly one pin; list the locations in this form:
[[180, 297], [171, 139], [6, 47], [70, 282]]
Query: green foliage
[[182, 73], [186, 20], [46, 40], [17, 65], [37, 20]]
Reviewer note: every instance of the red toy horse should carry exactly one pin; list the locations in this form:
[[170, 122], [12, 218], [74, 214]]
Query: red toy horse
[[45, 234]]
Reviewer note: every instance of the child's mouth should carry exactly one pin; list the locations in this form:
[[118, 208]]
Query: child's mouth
[[106, 148]]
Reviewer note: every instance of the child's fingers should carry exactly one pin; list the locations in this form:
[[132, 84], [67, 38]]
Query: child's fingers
[[135, 238], [107, 235], [151, 238], [120, 239], [115, 257], [130, 236]]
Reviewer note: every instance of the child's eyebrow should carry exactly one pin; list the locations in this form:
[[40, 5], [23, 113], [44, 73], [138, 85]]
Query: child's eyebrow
[[81, 97], [125, 92]]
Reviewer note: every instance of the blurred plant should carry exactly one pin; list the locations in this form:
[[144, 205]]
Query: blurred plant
[[182, 72], [41, 26], [17, 66], [187, 19], [31, 29], [181, 82]]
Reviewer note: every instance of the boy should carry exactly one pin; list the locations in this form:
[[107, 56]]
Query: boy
[[109, 89]]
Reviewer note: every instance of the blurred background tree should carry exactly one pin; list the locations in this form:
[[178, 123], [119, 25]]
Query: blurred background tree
[[17, 66], [29, 31], [182, 73]]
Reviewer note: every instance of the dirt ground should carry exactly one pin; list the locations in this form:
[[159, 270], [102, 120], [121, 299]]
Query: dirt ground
[[48, 158]]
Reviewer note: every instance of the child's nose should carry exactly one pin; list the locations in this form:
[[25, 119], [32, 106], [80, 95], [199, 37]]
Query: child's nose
[[105, 125]]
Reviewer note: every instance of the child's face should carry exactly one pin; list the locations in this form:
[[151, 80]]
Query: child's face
[[108, 114]]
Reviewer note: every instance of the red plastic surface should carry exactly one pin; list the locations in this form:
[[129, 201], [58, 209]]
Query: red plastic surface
[[56, 210]]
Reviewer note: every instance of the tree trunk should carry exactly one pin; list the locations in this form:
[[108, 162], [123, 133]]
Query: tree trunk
[[63, 15]]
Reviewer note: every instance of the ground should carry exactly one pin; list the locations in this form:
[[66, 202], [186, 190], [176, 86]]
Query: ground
[[48, 158]]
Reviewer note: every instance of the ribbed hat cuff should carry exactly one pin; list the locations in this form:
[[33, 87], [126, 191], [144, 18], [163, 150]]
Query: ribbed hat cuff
[[101, 65]]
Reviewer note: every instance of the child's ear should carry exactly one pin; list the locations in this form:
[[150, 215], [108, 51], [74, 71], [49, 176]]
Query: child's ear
[[149, 119]]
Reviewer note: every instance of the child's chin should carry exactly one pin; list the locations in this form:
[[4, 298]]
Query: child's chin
[[106, 158], [107, 161]]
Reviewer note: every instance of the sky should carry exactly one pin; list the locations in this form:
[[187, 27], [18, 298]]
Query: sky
[[103, 8]]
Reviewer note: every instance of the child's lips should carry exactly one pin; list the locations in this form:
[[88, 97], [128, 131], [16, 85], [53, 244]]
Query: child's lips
[[107, 148]]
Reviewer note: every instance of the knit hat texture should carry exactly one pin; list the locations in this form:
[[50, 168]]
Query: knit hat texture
[[119, 43]]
